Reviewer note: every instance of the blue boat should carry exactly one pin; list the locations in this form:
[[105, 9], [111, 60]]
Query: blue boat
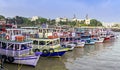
[[54, 54], [49, 47], [87, 40]]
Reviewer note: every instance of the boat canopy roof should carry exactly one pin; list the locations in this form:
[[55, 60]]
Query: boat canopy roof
[[17, 42], [45, 39], [30, 27], [15, 29]]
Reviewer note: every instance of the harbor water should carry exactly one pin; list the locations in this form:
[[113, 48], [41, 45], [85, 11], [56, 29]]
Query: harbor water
[[101, 56]]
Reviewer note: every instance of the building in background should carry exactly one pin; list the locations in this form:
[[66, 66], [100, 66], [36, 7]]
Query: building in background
[[87, 20], [34, 18]]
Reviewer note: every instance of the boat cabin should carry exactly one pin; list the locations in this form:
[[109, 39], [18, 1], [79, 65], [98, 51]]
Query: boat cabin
[[13, 43], [46, 43]]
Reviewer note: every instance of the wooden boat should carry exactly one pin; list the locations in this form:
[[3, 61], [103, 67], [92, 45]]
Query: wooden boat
[[99, 40], [67, 42], [87, 40], [49, 45], [69, 45], [16, 48]]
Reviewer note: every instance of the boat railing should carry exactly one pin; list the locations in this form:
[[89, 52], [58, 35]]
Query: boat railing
[[8, 52], [46, 46]]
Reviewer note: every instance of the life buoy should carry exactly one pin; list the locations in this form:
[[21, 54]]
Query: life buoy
[[51, 50], [45, 51], [37, 50], [55, 34], [11, 59], [7, 37]]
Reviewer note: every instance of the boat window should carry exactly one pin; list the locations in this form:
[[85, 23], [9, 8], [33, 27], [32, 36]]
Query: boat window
[[16, 46], [71, 39], [35, 42], [40, 30], [23, 46], [0, 44], [47, 31], [66, 39], [41, 42], [44, 30], [10, 46], [58, 41], [49, 43], [78, 38], [3, 45], [85, 36]]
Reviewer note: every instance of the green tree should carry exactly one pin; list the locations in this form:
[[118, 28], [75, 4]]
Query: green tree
[[72, 23], [52, 22], [116, 25], [18, 20], [10, 20], [41, 21], [94, 22], [27, 22], [62, 23], [2, 17], [82, 22]]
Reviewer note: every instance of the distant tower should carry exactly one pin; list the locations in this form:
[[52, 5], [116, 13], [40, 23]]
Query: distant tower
[[74, 16], [87, 20], [86, 16]]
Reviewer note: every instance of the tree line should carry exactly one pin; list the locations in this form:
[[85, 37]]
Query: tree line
[[24, 21]]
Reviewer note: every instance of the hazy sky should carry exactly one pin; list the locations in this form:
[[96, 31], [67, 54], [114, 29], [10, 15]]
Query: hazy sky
[[103, 10]]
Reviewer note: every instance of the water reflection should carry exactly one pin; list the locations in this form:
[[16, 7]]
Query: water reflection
[[44, 63], [101, 56]]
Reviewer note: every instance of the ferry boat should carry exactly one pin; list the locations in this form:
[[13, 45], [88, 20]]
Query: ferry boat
[[16, 48], [48, 43]]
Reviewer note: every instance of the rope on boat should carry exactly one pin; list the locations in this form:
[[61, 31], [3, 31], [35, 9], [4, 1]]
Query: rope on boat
[[19, 66]]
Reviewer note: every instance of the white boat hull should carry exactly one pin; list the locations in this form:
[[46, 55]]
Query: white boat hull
[[72, 46], [100, 40], [27, 60], [80, 44]]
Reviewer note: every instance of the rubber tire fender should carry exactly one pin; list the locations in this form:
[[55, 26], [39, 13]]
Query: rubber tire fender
[[51, 50], [37, 50], [45, 51], [11, 59]]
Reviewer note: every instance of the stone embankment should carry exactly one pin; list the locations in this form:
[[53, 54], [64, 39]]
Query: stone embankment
[[115, 29]]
